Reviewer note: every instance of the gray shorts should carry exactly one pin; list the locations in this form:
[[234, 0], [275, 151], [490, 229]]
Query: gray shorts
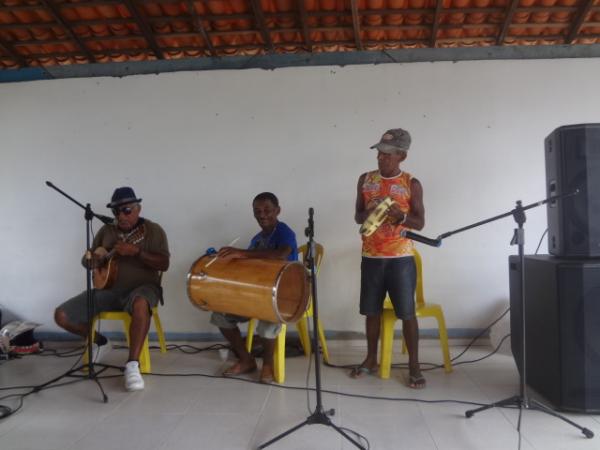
[[109, 300], [267, 330], [396, 277]]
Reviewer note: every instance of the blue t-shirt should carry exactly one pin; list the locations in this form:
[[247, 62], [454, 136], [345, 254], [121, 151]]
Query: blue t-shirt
[[281, 236]]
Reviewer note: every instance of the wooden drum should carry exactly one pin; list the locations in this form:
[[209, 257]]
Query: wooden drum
[[267, 289]]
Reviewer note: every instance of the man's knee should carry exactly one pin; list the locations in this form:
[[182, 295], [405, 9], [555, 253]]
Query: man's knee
[[60, 317], [140, 307]]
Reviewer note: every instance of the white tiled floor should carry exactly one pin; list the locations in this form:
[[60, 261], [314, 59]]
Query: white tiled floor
[[206, 412]]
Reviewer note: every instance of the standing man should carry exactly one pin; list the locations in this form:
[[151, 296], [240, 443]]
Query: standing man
[[275, 241], [142, 252], [388, 265]]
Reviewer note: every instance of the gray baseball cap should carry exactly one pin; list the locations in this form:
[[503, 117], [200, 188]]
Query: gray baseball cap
[[393, 140]]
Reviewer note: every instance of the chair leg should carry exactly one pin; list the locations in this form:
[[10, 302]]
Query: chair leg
[[444, 341], [159, 332], [250, 335], [145, 365], [388, 319], [323, 341], [302, 326], [279, 356], [126, 325]]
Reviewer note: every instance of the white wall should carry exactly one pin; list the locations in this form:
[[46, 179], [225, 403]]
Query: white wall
[[198, 146]]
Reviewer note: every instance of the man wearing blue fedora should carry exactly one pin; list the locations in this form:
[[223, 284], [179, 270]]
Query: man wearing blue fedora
[[140, 248]]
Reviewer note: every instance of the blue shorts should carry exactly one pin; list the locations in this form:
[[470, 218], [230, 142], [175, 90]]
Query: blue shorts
[[396, 277]]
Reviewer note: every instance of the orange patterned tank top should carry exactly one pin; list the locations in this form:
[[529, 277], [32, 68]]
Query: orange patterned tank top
[[386, 242]]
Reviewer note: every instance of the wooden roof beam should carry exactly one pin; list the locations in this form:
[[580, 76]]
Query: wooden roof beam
[[7, 48], [55, 13], [144, 28], [304, 22], [356, 24], [436, 22], [260, 23], [507, 21], [200, 27], [584, 9], [89, 4]]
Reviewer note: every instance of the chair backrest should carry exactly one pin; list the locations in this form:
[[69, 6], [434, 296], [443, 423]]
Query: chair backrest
[[303, 250], [419, 297]]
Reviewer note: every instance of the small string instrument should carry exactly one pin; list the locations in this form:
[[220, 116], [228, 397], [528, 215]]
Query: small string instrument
[[105, 272]]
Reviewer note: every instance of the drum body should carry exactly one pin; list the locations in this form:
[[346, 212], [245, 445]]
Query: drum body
[[267, 289]]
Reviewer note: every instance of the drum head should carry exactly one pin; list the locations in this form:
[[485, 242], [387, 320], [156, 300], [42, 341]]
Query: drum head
[[291, 292]]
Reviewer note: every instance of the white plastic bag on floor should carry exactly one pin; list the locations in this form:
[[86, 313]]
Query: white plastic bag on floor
[[13, 329]]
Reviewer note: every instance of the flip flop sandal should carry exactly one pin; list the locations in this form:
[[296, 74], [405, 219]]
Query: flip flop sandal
[[359, 372], [416, 381], [266, 378]]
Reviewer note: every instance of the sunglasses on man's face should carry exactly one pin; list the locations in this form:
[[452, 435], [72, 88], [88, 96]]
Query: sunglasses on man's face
[[126, 210]]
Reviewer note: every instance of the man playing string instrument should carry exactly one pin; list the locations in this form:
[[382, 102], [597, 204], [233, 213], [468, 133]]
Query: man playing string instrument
[[140, 251], [275, 241], [388, 265]]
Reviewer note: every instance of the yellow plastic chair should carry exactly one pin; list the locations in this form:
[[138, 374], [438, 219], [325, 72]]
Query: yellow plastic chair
[[145, 365], [301, 326], [125, 317], [278, 354], [423, 309]]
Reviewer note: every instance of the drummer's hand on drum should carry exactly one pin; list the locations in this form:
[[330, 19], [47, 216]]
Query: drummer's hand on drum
[[231, 253]]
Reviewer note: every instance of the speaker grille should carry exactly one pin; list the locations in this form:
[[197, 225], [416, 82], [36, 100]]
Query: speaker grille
[[573, 163]]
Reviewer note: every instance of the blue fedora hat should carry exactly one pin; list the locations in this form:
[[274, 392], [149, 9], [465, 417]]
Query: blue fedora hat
[[122, 196]]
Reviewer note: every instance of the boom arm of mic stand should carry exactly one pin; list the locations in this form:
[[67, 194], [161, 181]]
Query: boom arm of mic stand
[[512, 212], [104, 219]]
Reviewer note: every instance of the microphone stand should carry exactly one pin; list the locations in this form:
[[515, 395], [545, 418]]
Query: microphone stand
[[319, 416], [522, 400], [90, 366]]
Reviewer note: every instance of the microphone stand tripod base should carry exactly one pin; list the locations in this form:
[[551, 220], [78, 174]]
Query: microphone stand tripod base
[[316, 418], [319, 416], [522, 401], [532, 404], [91, 373]]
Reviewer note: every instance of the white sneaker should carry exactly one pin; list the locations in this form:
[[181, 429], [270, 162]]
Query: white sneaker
[[133, 377], [99, 352]]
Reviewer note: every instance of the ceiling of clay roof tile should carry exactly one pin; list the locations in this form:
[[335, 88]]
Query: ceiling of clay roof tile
[[53, 33]]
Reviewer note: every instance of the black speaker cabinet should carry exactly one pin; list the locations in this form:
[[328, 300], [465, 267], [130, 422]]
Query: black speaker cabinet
[[573, 162], [562, 314]]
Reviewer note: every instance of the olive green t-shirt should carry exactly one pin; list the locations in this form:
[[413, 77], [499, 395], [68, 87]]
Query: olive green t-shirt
[[131, 271]]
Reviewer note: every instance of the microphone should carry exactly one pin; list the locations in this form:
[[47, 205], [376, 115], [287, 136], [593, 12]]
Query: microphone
[[309, 231], [105, 219], [424, 240]]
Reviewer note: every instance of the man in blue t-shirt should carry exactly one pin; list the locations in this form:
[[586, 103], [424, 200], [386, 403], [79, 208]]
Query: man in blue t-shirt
[[275, 241]]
